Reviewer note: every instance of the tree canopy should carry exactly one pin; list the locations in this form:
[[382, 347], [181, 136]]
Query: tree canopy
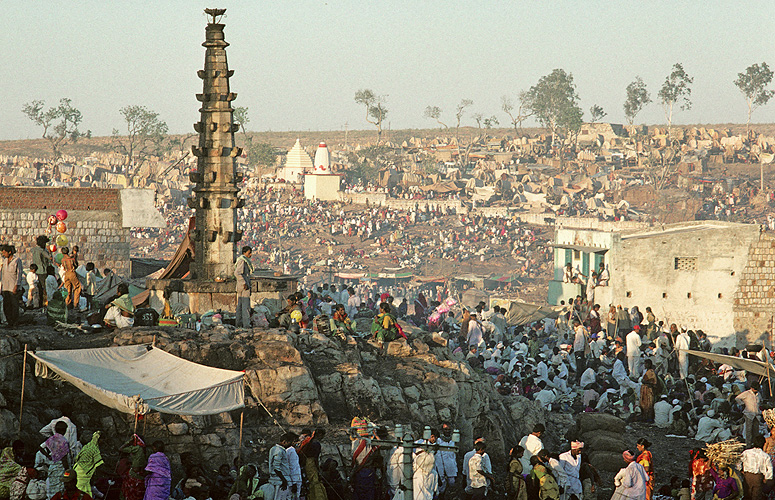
[[145, 134], [676, 89], [554, 102], [637, 98], [753, 85], [376, 111], [434, 112], [60, 123]]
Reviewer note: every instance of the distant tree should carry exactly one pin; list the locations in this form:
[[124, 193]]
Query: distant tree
[[60, 123], [507, 105], [752, 83], [491, 122], [145, 134], [376, 111], [240, 116], [434, 112], [554, 102], [637, 98], [459, 112], [596, 113], [675, 89], [478, 117], [261, 154]]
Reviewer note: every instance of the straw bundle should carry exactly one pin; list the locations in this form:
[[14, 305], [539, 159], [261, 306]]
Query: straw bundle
[[769, 418], [726, 453]]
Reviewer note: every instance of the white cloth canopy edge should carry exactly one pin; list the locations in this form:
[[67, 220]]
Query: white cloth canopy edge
[[750, 365], [225, 395]]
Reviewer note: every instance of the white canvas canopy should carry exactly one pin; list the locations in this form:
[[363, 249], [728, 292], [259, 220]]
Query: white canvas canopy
[[140, 378], [750, 365]]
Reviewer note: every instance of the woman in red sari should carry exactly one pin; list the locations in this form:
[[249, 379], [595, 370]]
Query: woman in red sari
[[647, 461]]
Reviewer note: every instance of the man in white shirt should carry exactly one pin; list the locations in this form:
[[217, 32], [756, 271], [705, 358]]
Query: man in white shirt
[[682, 344], [663, 413], [756, 466], [294, 478], [353, 303], [479, 473], [466, 459], [710, 429], [545, 396], [750, 401], [446, 461], [532, 444], [571, 465], [633, 351], [279, 471], [72, 431]]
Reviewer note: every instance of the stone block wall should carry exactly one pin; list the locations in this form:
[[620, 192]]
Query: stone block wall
[[754, 301], [94, 222]]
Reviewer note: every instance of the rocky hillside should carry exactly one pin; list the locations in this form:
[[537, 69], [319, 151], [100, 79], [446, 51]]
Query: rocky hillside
[[292, 381]]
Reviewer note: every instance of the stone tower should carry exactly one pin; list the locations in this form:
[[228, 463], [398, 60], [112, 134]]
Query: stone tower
[[215, 192]]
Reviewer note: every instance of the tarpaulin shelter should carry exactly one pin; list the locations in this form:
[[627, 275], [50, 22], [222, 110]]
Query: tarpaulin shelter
[[754, 366], [522, 313], [139, 378]]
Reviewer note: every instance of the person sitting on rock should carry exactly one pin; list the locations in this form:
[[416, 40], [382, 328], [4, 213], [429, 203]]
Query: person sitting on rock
[[284, 315], [120, 313], [385, 328], [341, 325]]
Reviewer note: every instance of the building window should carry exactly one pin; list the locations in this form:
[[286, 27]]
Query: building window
[[686, 263]]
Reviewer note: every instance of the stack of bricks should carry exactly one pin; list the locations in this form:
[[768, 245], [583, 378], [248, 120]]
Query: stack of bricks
[[754, 303], [94, 222]]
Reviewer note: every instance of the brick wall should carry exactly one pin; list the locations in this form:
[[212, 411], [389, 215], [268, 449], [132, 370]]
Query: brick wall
[[93, 222], [53, 199], [754, 303]]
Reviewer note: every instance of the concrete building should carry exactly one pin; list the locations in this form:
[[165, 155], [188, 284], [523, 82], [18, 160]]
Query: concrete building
[[706, 275]]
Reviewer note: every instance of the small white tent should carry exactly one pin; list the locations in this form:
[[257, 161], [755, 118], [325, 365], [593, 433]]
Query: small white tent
[[140, 378]]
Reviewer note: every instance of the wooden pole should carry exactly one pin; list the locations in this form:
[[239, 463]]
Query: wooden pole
[[239, 451], [21, 402], [135, 431], [154, 341]]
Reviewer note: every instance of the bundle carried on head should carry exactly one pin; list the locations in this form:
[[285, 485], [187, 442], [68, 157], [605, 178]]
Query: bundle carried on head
[[769, 418], [726, 453]]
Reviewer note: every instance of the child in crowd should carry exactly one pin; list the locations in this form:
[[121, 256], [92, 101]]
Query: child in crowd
[[33, 284]]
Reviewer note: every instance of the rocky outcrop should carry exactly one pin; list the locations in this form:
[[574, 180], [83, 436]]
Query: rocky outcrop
[[295, 381]]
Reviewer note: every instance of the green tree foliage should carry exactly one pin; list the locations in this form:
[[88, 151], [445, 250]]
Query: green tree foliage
[[376, 111], [434, 112], [261, 154], [554, 101], [491, 122], [753, 84], [366, 164], [676, 89], [145, 134], [240, 116], [60, 123], [596, 113], [637, 98]]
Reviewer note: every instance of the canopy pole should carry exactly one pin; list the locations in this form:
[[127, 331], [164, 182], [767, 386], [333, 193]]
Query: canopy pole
[[135, 431], [21, 402], [145, 419], [239, 451], [154, 341]]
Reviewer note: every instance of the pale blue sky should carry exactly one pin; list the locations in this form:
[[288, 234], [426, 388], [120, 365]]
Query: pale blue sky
[[297, 64]]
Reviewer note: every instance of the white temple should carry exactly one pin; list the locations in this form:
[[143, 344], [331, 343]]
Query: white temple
[[297, 164], [321, 184]]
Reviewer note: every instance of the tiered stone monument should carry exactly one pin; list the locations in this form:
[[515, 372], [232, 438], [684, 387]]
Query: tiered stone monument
[[215, 193], [213, 241]]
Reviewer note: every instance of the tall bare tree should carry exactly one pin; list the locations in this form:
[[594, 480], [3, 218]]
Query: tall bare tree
[[60, 123], [376, 111], [145, 134], [434, 112], [522, 113], [676, 89], [753, 85]]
